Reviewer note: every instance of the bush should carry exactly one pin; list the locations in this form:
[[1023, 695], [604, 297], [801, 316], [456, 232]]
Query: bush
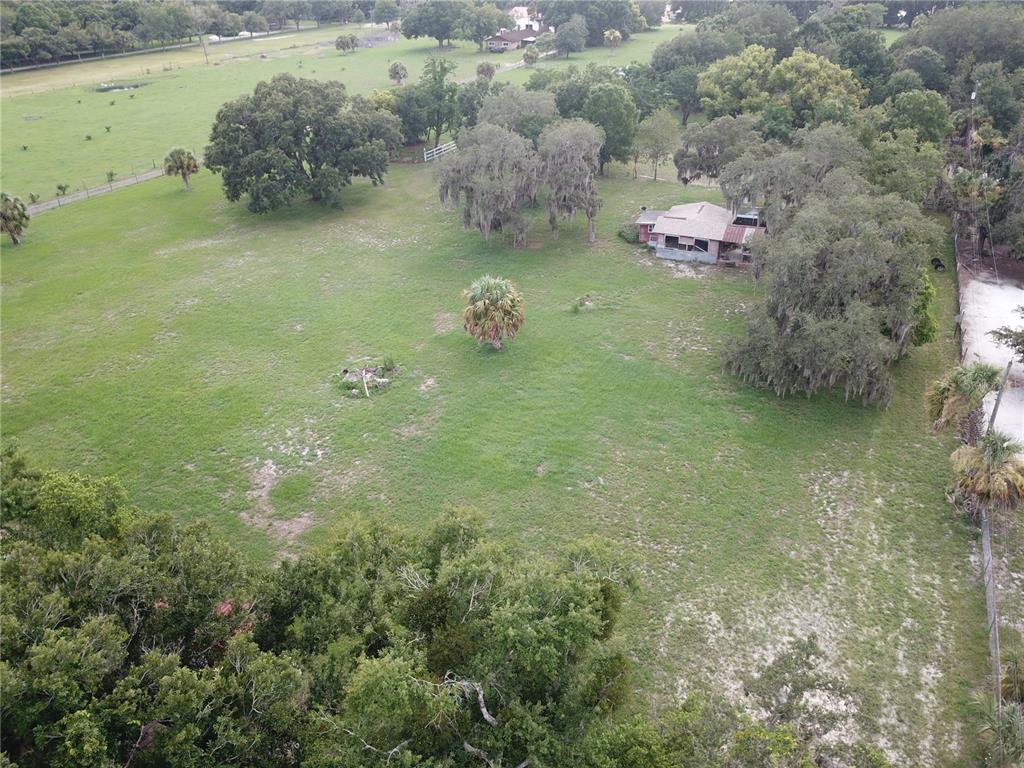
[[630, 233]]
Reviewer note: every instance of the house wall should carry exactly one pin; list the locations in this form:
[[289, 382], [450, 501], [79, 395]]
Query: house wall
[[673, 254], [645, 233]]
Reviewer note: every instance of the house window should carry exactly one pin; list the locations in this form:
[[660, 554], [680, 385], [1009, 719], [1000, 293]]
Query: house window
[[700, 245], [650, 228]]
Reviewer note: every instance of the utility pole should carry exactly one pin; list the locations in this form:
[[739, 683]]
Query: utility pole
[[200, 32]]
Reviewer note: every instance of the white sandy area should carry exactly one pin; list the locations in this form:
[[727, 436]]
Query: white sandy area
[[986, 305]]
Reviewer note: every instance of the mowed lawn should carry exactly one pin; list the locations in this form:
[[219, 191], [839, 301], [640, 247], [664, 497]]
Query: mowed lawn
[[52, 111], [190, 347]]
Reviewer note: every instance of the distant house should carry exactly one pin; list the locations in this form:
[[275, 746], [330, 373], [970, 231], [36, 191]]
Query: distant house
[[523, 20], [702, 232], [510, 39]]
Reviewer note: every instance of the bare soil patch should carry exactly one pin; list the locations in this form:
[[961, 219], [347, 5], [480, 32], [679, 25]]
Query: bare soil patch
[[262, 517], [445, 322]]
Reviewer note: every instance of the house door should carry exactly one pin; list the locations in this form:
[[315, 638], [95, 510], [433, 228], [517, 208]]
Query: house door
[[671, 241]]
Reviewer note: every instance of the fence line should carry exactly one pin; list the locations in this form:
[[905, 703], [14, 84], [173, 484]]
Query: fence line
[[989, 566], [439, 151], [83, 57], [73, 197], [988, 572]]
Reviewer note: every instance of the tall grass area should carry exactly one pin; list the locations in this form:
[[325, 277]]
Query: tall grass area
[[52, 111], [191, 348]]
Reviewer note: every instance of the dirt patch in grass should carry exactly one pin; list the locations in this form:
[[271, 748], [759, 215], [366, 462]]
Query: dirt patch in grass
[[410, 430], [429, 384], [287, 532], [681, 269], [445, 322], [835, 596]]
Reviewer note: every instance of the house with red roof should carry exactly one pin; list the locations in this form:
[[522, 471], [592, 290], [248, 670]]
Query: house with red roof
[[510, 39]]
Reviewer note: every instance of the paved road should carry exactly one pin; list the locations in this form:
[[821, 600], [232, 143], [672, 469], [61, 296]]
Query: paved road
[[59, 202]]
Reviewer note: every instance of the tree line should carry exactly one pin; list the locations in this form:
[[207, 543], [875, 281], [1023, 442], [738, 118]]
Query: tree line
[[44, 31], [132, 640]]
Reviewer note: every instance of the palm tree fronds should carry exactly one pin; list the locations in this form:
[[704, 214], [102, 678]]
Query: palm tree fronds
[[992, 470], [953, 397]]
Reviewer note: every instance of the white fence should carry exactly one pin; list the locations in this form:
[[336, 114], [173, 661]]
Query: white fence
[[436, 152]]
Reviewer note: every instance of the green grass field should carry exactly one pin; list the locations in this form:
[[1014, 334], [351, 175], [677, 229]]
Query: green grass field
[[51, 111], [892, 35], [190, 347]]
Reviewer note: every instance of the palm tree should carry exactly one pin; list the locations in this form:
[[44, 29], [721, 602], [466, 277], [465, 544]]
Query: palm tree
[[612, 38], [992, 470], [180, 162], [953, 397], [14, 217], [1002, 731], [495, 310], [1012, 685]]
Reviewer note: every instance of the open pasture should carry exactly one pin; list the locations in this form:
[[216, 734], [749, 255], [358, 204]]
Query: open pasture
[[192, 348], [52, 111]]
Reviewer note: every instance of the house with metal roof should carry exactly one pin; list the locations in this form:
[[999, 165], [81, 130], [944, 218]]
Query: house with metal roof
[[702, 232]]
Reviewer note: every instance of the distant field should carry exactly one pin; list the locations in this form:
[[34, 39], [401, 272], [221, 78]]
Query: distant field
[[190, 347], [892, 35], [52, 111]]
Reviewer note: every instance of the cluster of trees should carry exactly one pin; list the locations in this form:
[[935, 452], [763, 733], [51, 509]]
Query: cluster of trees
[[838, 141], [129, 639], [898, 14], [447, 20], [577, 23], [973, 59], [41, 31], [845, 295], [498, 171]]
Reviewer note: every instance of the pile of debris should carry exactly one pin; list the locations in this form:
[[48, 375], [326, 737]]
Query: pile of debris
[[360, 381]]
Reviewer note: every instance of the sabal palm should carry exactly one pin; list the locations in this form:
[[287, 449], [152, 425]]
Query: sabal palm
[[494, 310], [180, 162], [992, 470], [955, 395], [14, 217], [1012, 684], [1001, 730]]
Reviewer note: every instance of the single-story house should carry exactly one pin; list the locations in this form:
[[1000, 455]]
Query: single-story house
[[509, 39], [702, 232]]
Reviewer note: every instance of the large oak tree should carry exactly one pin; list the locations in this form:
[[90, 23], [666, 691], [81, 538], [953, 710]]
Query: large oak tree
[[294, 136]]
